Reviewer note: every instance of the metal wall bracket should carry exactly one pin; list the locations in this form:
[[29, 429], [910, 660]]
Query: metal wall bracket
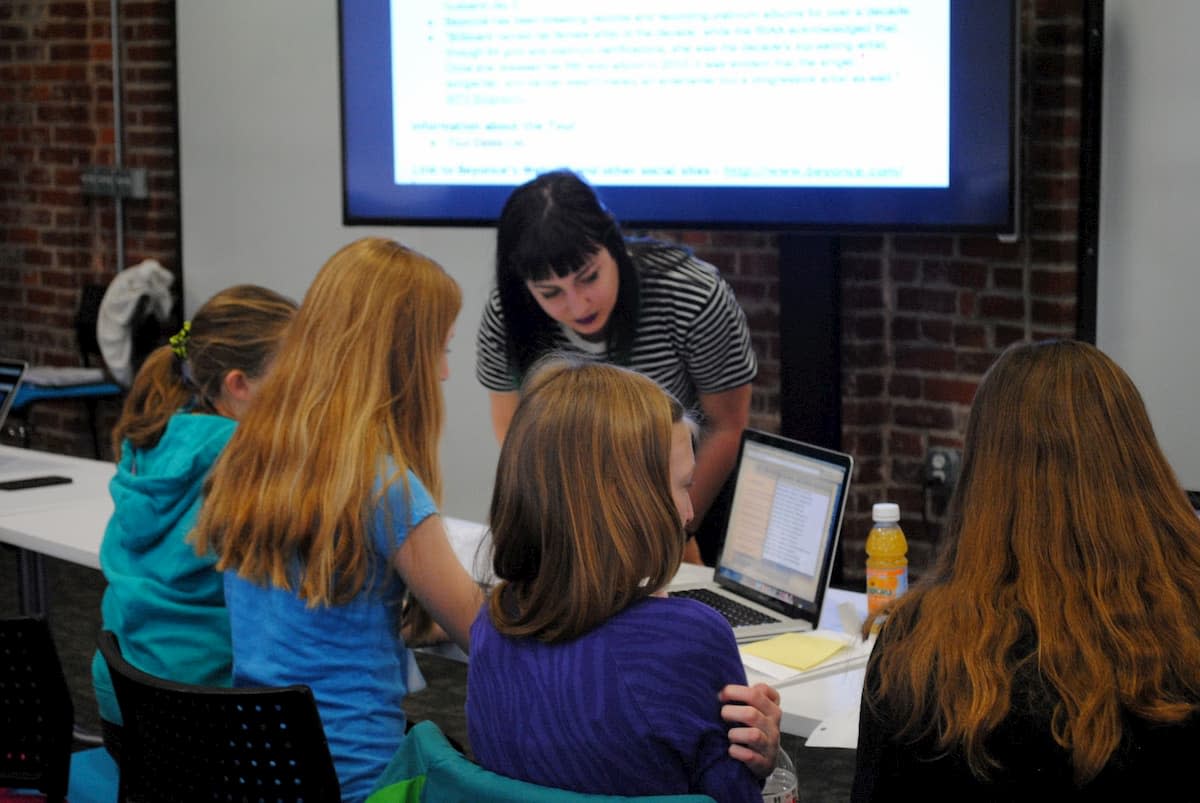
[[115, 182]]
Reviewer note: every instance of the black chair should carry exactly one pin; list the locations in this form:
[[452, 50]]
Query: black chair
[[88, 389], [146, 334], [36, 715], [183, 742]]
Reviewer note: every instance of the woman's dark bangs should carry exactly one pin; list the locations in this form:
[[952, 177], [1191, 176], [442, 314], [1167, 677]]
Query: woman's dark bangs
[[552, 251]]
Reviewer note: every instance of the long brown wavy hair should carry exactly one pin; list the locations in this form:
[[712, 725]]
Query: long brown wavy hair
[[236, 329], [582, 517], [354, 396], [1067, 526]]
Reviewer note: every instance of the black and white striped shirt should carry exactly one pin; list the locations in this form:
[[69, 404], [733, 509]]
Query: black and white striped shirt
[[691, 338]]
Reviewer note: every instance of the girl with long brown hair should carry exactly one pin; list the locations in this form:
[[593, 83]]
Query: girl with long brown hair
[[323, 509], [583, 675], [164, 601], [1054, 648]]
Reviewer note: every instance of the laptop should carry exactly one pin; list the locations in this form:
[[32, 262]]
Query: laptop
[[781, 538], [12, 372]]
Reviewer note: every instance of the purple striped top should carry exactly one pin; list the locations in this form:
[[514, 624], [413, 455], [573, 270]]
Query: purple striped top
[[629, 708]]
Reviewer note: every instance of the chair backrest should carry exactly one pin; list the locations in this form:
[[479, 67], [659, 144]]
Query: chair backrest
[[86, 317], [184, 742], [427, 769], [36, 715]]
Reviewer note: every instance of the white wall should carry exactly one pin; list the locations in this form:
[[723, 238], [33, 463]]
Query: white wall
[[260, 162], [1148, 283]]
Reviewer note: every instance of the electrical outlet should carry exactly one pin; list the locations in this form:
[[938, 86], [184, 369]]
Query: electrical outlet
[[941, 467]]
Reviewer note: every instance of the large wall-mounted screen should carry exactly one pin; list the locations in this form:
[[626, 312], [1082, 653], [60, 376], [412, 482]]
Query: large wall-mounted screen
[[759, 113]]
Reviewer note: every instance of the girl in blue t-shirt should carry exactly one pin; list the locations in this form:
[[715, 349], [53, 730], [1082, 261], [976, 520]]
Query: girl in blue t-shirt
[[323, 508]]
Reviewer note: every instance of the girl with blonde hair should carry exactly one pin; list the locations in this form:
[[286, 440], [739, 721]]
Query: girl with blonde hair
[[583, 674], [1054, 649], [323, 509], [164, 601]]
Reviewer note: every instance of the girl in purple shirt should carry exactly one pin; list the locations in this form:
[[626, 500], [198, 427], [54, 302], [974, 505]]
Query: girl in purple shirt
[[583, 675]]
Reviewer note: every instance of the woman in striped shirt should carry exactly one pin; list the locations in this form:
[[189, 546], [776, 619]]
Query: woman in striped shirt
[[567, 280]]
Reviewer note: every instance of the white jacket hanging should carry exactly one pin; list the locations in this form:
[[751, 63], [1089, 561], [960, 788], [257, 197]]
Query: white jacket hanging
[[114, 329]]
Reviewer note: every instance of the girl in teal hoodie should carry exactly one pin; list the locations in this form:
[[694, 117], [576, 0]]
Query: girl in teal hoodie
[[165, 603]]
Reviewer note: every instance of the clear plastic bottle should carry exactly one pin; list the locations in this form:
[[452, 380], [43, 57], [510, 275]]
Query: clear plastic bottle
[[781, 785], [887, 564]]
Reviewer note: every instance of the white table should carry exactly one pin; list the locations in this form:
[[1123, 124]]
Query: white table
[[88, 486], [827, 697], [68, 521], [63, 521]]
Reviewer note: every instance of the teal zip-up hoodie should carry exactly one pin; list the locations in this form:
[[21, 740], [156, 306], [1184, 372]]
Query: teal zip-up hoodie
[[165, 603]]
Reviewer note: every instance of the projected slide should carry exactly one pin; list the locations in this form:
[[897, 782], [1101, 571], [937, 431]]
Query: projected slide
[[658, 92]]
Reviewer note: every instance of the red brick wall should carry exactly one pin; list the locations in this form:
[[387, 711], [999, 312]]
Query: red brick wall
[[57, 118], [922, 317]]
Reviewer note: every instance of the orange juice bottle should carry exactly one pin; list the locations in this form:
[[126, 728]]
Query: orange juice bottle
[[887, 566]]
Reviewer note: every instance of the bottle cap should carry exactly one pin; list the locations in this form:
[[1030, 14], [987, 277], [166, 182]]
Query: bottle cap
[[886, 511]]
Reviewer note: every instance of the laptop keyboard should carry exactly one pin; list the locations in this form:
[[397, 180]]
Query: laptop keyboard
[[738, 615]]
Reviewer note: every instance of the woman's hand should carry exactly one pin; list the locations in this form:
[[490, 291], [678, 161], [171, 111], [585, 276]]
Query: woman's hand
[[418, 628], [756, 711]]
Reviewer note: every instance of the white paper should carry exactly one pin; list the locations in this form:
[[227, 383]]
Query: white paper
[[840, 730]]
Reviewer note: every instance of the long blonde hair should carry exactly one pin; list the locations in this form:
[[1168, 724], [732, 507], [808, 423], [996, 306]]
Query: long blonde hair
[[1068, 532], [582, 517], [354, 399], [236, 329]]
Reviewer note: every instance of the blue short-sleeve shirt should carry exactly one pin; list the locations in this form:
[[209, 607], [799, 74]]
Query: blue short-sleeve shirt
[[351, 655]]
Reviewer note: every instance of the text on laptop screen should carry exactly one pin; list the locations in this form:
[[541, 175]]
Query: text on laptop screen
[[784, 513]]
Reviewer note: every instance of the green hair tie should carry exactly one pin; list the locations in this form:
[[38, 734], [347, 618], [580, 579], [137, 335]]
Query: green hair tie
[[179, 341]]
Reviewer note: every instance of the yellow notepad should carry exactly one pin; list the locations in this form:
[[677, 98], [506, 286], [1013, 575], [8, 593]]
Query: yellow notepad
[[797, 650]]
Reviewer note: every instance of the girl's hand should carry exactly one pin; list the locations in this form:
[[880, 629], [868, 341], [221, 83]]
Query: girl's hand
[[756, 710]]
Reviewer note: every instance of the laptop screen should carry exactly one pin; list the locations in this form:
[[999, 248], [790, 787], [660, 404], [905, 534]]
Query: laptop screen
[[784, 521], [11, 372]]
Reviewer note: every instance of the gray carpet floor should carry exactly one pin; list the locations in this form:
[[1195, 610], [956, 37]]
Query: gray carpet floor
[[824, 774]]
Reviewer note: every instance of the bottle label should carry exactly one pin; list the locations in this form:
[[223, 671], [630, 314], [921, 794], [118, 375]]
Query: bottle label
[[884, 585]]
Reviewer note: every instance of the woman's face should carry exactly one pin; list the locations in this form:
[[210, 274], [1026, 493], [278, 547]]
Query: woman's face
[[583, 300], [683, 464]]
